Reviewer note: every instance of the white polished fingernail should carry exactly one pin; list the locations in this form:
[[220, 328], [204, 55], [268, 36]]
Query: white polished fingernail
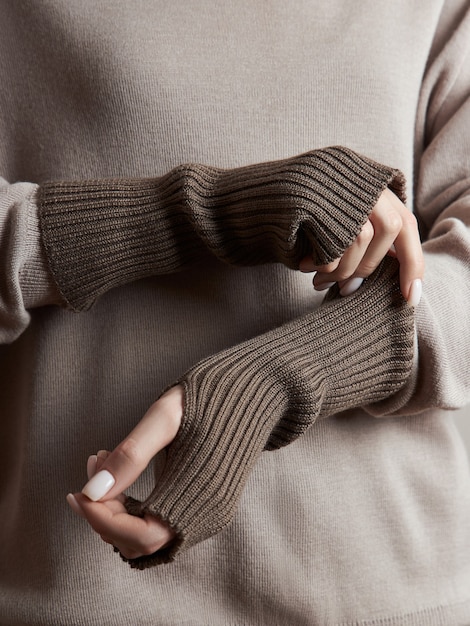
[[323, 286], [415, 292], [76, 508], [99, 485], [91, 466], [351, 286]]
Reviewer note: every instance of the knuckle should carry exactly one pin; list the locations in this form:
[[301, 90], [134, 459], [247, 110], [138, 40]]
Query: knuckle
[[343, 274], [385, 200], [366, 268], [409, 220], [329, 267], [130, 452], [392, 223]]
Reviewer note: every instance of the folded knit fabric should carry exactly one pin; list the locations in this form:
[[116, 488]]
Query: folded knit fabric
[[262, 394], [104, 233]]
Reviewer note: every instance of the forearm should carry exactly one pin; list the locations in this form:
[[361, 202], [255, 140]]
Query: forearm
[[101, 234], [264, 393]]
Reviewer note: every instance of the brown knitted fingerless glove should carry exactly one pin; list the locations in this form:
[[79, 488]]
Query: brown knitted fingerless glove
[[104, 233], [262, 394]]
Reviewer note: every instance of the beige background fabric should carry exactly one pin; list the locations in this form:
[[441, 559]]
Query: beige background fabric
[[361, 520], [462, 419]]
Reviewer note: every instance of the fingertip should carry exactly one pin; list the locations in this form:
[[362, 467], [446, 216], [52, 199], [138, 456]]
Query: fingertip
[[74, 505], [91, 465], [350, 286], [99, 485], [101, 457], [415, 292]]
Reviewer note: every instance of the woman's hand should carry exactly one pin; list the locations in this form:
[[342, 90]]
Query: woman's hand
[[101, 501], [390, 229]]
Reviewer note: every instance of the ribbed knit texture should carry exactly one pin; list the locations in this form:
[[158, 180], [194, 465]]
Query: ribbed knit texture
[[104, 233], [262, 394]]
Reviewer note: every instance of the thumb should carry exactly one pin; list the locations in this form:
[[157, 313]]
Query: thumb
[[129, 459]]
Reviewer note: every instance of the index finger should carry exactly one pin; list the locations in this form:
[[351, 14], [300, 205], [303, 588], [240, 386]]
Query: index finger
[[129, 459]]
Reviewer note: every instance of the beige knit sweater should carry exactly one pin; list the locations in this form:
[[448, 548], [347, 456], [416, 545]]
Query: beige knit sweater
[[359, 520]]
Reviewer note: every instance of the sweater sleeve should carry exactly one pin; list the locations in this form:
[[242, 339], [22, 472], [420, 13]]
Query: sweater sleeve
[[104, 233], [442, 205], [26, 281], [264, 393]]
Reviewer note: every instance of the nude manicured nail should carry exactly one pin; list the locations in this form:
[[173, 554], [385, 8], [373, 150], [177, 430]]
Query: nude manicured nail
[[415, 292], [76, 508], [91, 466], [351, 286], [99, 485]]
